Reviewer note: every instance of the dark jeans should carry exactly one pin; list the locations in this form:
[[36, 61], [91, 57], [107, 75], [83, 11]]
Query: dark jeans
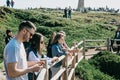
[[118, 48], [32, 76]]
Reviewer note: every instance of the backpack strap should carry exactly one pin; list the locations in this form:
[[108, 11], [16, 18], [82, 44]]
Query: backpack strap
[[29, 50], [42, 56]]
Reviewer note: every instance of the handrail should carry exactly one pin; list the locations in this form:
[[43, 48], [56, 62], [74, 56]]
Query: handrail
[[70, 75], [81, 48], [95, 40], [95, 46], [59, 59], [41, 76], [115, 39], [77, 45], [58, 74], [72, 63]]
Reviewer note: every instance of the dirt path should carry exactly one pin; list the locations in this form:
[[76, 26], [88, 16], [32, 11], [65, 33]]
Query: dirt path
[[2, 76], [91, 52]]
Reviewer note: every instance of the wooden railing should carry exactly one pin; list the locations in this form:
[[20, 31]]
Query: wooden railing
[[67, 72], [113, 44]]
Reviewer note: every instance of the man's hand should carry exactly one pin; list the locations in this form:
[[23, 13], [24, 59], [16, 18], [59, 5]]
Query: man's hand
[[40, 63], [36, 68]]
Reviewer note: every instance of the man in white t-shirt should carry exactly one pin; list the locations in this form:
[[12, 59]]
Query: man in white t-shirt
[[15, 62]]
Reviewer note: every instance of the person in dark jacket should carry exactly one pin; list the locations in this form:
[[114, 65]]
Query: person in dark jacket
[[9, 36], [49, 47], [8, 3], [69, 12], [12, 3], [65, 12], [117, 36]]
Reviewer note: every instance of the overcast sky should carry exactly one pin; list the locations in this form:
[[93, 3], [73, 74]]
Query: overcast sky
[[22, 4]]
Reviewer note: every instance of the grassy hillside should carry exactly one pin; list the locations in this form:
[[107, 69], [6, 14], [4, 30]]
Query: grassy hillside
[[102, 66], [82, 25]]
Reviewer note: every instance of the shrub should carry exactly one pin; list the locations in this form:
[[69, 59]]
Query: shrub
[[22, 15], [108, 63], [89, 72], [45, 31], [2, 44]]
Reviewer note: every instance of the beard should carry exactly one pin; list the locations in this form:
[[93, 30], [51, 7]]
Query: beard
[[25, 38]]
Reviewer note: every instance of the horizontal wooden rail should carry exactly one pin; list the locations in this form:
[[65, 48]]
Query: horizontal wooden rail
[[81, 48], [81, 42], [58, 74], [67, 71], [71, 73], [41, 76], [94, 46], [95, 40], [59, 59], [115, 39]]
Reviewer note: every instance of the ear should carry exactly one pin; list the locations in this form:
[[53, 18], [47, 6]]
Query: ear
[[24, 30]]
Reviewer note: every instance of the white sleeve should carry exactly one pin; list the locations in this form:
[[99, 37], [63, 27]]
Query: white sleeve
[[32, 57], [49, 60]]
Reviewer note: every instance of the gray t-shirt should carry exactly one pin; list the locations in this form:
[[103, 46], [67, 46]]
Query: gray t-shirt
[[15, 52]]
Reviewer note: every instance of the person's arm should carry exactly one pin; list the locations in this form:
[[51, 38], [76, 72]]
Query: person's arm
[[13, 71], [65, 45], [12, 63], [56, 51], [50, 60], [33, 59], [31, 63]]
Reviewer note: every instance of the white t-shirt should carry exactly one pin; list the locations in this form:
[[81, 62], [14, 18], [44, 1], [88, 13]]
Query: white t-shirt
[[33, 57], [15, 52]]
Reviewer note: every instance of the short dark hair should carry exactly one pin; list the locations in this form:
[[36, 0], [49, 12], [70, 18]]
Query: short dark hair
[[26, 24], [8, 31]]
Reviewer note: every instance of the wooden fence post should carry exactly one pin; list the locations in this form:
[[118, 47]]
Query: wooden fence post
[[77, 56], [47, 74], [65, 64], [84, 47], [108, 44], [73, 66]]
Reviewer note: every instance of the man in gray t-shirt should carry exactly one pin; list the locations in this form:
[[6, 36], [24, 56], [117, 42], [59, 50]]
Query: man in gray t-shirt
[[16, 65]]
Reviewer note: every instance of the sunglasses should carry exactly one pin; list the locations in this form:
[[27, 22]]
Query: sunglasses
[[41, 42], [31, 34]]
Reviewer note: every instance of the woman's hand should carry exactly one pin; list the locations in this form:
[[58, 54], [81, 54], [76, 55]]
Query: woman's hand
[[54, 59]]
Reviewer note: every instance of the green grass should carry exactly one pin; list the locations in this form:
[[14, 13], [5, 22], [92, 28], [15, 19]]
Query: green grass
[[81, 25]]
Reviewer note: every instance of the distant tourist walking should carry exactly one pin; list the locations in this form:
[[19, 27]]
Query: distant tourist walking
[[117, 36], [12, 3], [69, 12], [9, 36], [8, 3], [65, 12]]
